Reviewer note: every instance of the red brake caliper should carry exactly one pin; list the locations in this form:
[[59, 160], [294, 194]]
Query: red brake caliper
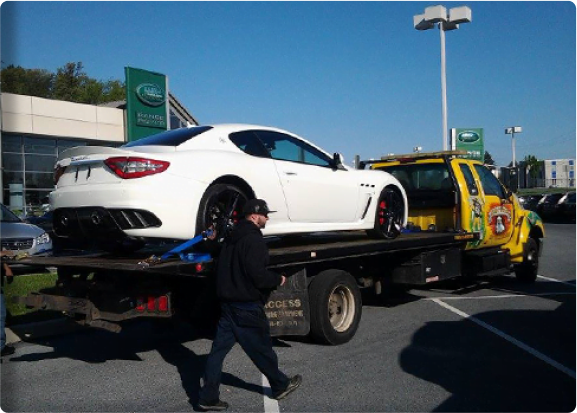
[[234, 217], [382, 208]]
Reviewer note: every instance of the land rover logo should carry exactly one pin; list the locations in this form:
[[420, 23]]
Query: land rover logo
[[469, 137], [150, 94]]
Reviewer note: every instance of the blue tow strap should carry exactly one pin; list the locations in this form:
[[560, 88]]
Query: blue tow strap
[[191, 256]]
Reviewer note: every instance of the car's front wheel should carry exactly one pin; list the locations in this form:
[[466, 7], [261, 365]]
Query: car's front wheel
[[389, 215], [220, 208]]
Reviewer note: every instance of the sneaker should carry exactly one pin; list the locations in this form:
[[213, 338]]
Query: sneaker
[[294, 382], [8, 350], [216, 405]]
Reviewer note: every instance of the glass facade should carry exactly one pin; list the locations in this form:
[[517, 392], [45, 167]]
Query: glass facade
[[28, 165]]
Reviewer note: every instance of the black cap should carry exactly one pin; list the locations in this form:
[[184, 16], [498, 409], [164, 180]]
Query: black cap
[[256, 206]]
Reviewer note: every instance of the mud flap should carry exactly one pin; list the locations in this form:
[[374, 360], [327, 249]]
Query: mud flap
[[288, 309]]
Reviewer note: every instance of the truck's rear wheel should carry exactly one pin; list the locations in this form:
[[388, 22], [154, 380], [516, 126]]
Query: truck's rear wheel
[[527, 270], [335, 307]]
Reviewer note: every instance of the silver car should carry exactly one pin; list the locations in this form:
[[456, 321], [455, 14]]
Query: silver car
[[21, 237]]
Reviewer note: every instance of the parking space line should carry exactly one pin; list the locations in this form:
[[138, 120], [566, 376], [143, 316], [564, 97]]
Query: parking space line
[[510, 339], [484, 297], [270, 405], [556, 280]]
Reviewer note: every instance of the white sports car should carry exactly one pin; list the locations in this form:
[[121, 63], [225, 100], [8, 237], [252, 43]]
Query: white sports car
[[175, 184]]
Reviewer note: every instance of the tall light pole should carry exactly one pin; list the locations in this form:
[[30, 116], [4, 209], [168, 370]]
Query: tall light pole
[[446, 21], [512, 131]]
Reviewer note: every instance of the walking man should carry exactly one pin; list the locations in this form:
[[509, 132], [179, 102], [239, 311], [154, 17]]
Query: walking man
[[6, 350], [243, 286]]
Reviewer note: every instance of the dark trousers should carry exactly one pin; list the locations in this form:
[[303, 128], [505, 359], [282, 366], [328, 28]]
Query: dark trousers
[[245, 323], [2, 321]]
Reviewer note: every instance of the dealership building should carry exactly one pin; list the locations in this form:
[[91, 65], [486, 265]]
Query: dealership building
[[34, 131]]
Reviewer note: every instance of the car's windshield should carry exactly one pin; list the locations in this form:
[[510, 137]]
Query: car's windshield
[[571, 197], [8, 216], [170, 138], [552, 199]]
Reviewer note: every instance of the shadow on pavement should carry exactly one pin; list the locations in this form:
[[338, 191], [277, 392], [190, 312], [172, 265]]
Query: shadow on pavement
[[483, 372], [168, 338]]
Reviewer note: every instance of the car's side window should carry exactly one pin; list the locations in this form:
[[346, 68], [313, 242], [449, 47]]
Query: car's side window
[[469, 179], [491, 185], [286, 148], [249, 143]]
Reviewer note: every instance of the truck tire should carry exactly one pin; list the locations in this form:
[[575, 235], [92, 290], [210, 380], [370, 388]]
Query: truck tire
[[335, 307], [527, 270], [389, 215]]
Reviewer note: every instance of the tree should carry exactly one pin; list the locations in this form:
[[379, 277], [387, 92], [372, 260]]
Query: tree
[[489, 159], [533, 164], [32, 82], [69, 83]]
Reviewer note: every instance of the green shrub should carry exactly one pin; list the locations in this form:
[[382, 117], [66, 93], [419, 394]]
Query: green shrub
[[22, 286]]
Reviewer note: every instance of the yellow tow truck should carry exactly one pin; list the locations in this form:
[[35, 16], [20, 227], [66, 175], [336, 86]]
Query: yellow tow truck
[[447, 192], [462, 222]]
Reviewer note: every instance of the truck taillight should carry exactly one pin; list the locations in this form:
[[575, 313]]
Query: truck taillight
[[132, 167], [58, 172], [152, 304], [163, 303]]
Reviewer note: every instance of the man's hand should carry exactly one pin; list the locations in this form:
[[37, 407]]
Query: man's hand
[[283, 280]]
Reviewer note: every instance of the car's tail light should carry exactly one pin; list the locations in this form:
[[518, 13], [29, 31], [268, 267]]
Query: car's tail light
[[58, 172], [131, 167]]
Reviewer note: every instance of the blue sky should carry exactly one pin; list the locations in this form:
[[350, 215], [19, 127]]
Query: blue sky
[[353, 77]]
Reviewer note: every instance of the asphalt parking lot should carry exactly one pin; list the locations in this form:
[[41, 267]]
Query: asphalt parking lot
[[491, 345]]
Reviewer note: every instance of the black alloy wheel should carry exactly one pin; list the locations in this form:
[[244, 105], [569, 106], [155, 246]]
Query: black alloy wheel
[[220, 209], [389, 215]]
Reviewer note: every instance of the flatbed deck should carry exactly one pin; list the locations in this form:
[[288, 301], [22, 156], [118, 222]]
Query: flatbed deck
[[283, 252]]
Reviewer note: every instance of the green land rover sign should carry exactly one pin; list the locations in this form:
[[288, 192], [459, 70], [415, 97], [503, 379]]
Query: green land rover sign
[[146, 103], [470, 140], [150, 94]]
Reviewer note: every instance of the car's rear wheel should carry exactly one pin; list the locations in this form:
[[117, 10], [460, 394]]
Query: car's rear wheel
[[220, 208], [389, 215]]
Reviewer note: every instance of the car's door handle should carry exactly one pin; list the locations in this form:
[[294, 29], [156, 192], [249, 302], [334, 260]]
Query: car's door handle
[[290, 173]]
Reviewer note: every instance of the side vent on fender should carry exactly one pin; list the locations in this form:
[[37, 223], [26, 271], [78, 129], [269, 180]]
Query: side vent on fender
[[367, 207]]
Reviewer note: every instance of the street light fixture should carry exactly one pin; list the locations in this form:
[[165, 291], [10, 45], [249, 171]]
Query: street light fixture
[[512, 131], [438, 15]]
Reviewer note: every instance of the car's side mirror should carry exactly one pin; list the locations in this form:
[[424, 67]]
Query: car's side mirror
[[338, 161]]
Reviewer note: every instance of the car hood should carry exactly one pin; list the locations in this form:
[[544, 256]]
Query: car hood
[[19, 230]]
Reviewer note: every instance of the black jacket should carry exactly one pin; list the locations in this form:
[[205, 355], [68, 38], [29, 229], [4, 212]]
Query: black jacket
[[241, 272]]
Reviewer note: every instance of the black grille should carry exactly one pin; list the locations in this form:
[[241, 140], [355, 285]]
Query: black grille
[[18, 244], [133, 219], [98, 221]]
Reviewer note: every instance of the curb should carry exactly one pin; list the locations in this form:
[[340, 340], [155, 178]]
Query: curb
[[30, 331]]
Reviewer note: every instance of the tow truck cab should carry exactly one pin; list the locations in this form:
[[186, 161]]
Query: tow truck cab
[[449, 193]]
